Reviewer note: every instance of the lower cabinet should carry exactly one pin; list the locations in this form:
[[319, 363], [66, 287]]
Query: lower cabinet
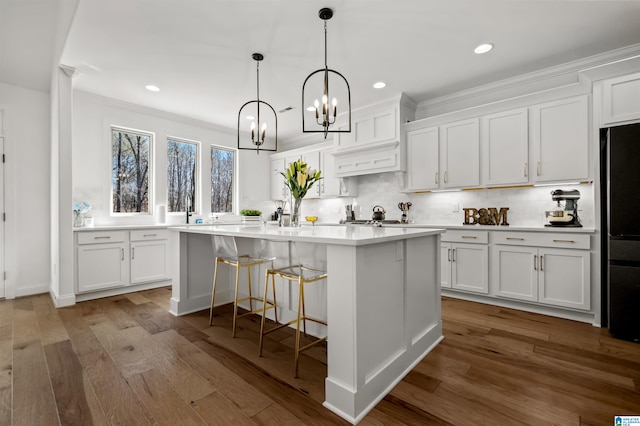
[[546, 275], [464, 265], [112, 259]]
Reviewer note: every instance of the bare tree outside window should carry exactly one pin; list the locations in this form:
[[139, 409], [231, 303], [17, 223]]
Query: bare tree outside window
[[130, 170], [182, 158], [222, 176]]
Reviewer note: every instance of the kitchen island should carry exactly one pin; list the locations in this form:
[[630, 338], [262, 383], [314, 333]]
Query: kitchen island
[[382, 299]]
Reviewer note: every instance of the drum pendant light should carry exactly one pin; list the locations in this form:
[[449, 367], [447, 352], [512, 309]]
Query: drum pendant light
[[320, 109], [262, 137]]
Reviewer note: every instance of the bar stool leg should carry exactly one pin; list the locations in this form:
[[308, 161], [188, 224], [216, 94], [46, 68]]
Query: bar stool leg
[[213, 293], [264, 309], [300, 303], [235, 302], [249, 282], [275, 302], [304, 314]]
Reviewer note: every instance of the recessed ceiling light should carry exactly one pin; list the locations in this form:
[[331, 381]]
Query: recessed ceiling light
[[483, 48], [152, 88], [379, 84]]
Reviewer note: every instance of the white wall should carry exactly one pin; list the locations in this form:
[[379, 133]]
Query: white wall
[[526, 205], [92, 118], [27, 196]]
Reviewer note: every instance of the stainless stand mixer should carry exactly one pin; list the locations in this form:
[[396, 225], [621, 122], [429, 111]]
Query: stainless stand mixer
[[566, 215]]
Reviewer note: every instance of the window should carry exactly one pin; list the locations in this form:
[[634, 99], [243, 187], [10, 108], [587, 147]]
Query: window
[[130, 152], [222, 179], [182, 157]]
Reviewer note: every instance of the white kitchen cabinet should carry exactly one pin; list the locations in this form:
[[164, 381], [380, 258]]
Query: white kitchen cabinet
[[279, 190], [117, 259], [312, 159], [422, 159], [149, 256], [560, 139], [505, 148], [377, 126], [329, 184], [459, 154], [546, 275], [465, 261], [102, 260], [621, 99]]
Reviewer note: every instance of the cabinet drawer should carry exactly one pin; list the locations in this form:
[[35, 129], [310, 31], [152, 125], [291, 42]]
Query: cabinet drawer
[[462, 236], [543, 239], [101, 237], [149, 234]]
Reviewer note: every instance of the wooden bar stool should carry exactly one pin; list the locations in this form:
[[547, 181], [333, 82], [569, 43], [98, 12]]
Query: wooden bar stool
[[302, 275], [226, 252]]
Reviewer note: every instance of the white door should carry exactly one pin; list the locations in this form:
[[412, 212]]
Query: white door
[[565, 278], [460, 153], [515, 272], [422, 158], [149, 261], [505, 144], [469, 263], [2, 276], [445, 265]]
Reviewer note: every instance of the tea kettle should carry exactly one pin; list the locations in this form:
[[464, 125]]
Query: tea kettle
[[378, 213]]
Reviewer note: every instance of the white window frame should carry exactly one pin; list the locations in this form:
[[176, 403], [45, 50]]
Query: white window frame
[[150, 173], [197, 208]]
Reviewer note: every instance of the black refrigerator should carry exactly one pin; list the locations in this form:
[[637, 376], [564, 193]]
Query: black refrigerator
[[620, 173]]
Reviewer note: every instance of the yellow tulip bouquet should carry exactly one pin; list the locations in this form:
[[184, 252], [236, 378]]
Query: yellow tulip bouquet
[[299, 179]]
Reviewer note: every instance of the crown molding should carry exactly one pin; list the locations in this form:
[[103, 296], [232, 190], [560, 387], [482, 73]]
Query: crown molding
[[567, 74]]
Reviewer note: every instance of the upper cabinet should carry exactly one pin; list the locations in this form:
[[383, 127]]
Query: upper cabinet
[[621, 99], [460, 154], [376, 143], [505, 148], [547, 142], [443, 157], [317, 157], [560, 138], [422, 158]]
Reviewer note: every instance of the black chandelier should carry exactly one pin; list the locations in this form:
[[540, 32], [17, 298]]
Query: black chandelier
[[321, 115], [259, 140]]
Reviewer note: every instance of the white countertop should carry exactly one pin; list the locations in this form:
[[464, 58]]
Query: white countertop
[[340, 235], [507, 228]]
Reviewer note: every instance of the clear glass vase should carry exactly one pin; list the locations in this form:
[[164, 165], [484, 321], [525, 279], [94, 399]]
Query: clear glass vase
[[295, 211], [78, 219]]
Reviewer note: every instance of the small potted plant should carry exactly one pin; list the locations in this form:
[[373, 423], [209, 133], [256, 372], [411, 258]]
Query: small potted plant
[[249, 215]]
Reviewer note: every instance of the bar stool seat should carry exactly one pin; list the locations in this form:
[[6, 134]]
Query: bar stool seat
[[302, 275], [227, 253]]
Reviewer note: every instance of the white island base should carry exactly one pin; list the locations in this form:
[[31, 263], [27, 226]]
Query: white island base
[[383, 302]]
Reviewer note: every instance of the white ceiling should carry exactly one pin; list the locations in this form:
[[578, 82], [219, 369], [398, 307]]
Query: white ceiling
[[199, 51]]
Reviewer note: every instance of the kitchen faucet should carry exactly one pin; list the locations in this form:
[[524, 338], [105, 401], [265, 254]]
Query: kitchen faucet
[[188, 207]]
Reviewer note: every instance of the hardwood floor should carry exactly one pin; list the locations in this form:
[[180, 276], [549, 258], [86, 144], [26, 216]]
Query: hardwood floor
[[125, 360]]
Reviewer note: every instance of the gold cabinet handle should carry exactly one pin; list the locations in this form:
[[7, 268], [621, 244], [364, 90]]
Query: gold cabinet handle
[[563, 241], [453, 257], [102, 238], [525, 169], [445, 176], [541, 256], [469, 236], [538, 169], [436, 178], [133, 253], [535, 262], [149, 235], [122, 254], [449, 255], [515, 238]]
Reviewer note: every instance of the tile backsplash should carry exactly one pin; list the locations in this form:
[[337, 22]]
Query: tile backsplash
[[526, 205]]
